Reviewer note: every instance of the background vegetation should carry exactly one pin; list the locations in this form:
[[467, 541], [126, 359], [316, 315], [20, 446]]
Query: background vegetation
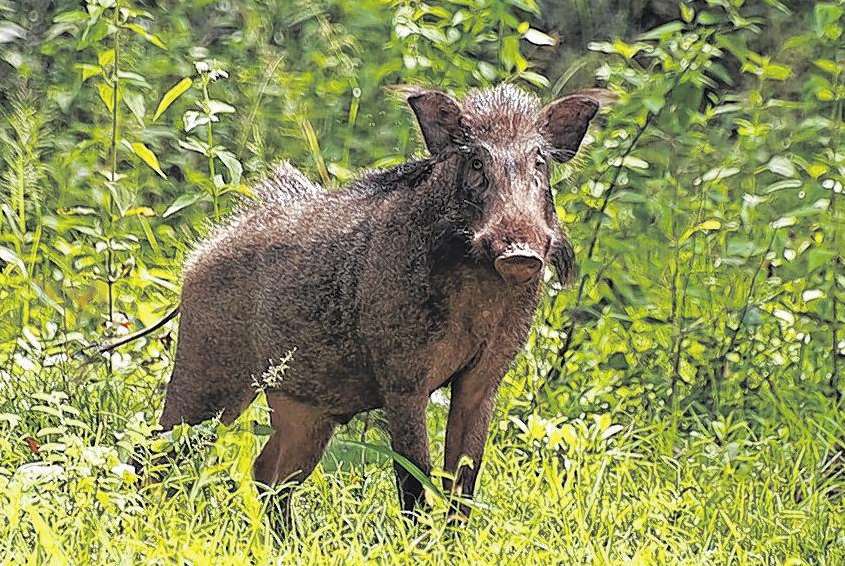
[[682, 404]]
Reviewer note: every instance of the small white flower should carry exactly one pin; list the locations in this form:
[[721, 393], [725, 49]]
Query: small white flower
[[95, 455], [126, 472], [439, 398], [37, 472]]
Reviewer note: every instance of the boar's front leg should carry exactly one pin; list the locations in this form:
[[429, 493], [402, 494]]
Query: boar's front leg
[[470, 409], [405, 414]]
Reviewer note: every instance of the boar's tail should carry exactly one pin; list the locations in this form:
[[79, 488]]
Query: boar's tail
[[103, 348]]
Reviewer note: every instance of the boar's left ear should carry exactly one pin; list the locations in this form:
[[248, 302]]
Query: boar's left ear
[[439, 117], [565, 121]]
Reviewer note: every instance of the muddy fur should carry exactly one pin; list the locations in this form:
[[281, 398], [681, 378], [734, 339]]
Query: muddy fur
[[402, 282]]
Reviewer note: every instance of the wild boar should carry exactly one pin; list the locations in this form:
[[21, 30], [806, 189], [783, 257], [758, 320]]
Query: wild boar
[[405, 281]]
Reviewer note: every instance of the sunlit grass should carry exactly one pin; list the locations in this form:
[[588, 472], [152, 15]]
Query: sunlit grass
[[598, 490]]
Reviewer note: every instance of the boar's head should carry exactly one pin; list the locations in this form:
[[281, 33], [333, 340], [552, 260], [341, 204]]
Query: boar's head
[[502, 143]]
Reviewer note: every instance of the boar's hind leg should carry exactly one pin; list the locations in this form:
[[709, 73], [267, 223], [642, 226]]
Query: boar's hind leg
[[191, 403], [211, 375], [300, 434], [187, 401]]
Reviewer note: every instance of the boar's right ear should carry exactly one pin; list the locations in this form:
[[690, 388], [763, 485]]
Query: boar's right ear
[[439, 117]]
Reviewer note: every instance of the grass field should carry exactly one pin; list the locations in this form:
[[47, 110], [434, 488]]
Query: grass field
[[601, 490]]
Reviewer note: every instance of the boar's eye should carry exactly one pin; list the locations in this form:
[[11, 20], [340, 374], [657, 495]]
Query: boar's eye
[[476, 164], [539, 162]]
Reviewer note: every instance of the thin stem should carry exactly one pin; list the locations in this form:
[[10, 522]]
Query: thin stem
[[746, 305], [248, 127], [20, 198], [21, 195], [837, 261], [210, 141], [676, 319], [113, 177]]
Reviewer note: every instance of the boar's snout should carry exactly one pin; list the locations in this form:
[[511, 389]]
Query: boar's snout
[[519, 264]]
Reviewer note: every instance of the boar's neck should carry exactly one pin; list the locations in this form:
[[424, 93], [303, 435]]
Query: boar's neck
[[424, 208], [427, 196]]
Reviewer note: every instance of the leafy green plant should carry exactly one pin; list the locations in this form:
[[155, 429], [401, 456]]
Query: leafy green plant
[[458, 43], [207, 113]]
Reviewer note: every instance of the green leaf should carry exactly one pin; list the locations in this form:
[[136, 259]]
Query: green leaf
[[654, 102], [784, 222], [232, 165], [782, 166], [718, 173], [219, 107], [706, 226], [535, 78], [630, 162], [687, 12], [135, 102], [628, 51], [527, 5], [183, 201], [105, 57], [106, 95], [141, 211], [10, 31], [171, 95], [487, 70], [662, 31], [826, 17], [193, 144], [88, 71], [785, 316], [776, 72], [538, 38], [781, 185], [192, 119], [817, 257], [412, 469], [12, 258], [828, 66], [706, 18], [71, 17], [148, 157], [152, 38]]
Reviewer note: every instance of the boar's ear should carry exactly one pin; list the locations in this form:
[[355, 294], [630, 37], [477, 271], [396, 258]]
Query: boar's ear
[[439, 117], [565, 121]]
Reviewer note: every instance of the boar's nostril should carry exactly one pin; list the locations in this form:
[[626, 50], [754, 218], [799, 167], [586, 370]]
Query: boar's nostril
[[518, 267]]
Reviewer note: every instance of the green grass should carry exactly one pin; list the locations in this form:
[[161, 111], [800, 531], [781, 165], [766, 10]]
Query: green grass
[[636, 489]]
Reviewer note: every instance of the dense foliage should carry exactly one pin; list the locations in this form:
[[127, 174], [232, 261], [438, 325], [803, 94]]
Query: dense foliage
[[681, 404]]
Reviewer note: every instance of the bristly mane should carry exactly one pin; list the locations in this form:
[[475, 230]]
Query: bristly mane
[[500, 115], [285, 184], [405, 176]]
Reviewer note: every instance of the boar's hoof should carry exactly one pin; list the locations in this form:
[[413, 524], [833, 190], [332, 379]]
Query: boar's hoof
[[518, 266]]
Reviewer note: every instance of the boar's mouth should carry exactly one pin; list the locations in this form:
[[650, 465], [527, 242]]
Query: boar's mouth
[[519, 264]]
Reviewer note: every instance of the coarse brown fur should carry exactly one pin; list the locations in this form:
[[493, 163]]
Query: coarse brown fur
[[404, 281]]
